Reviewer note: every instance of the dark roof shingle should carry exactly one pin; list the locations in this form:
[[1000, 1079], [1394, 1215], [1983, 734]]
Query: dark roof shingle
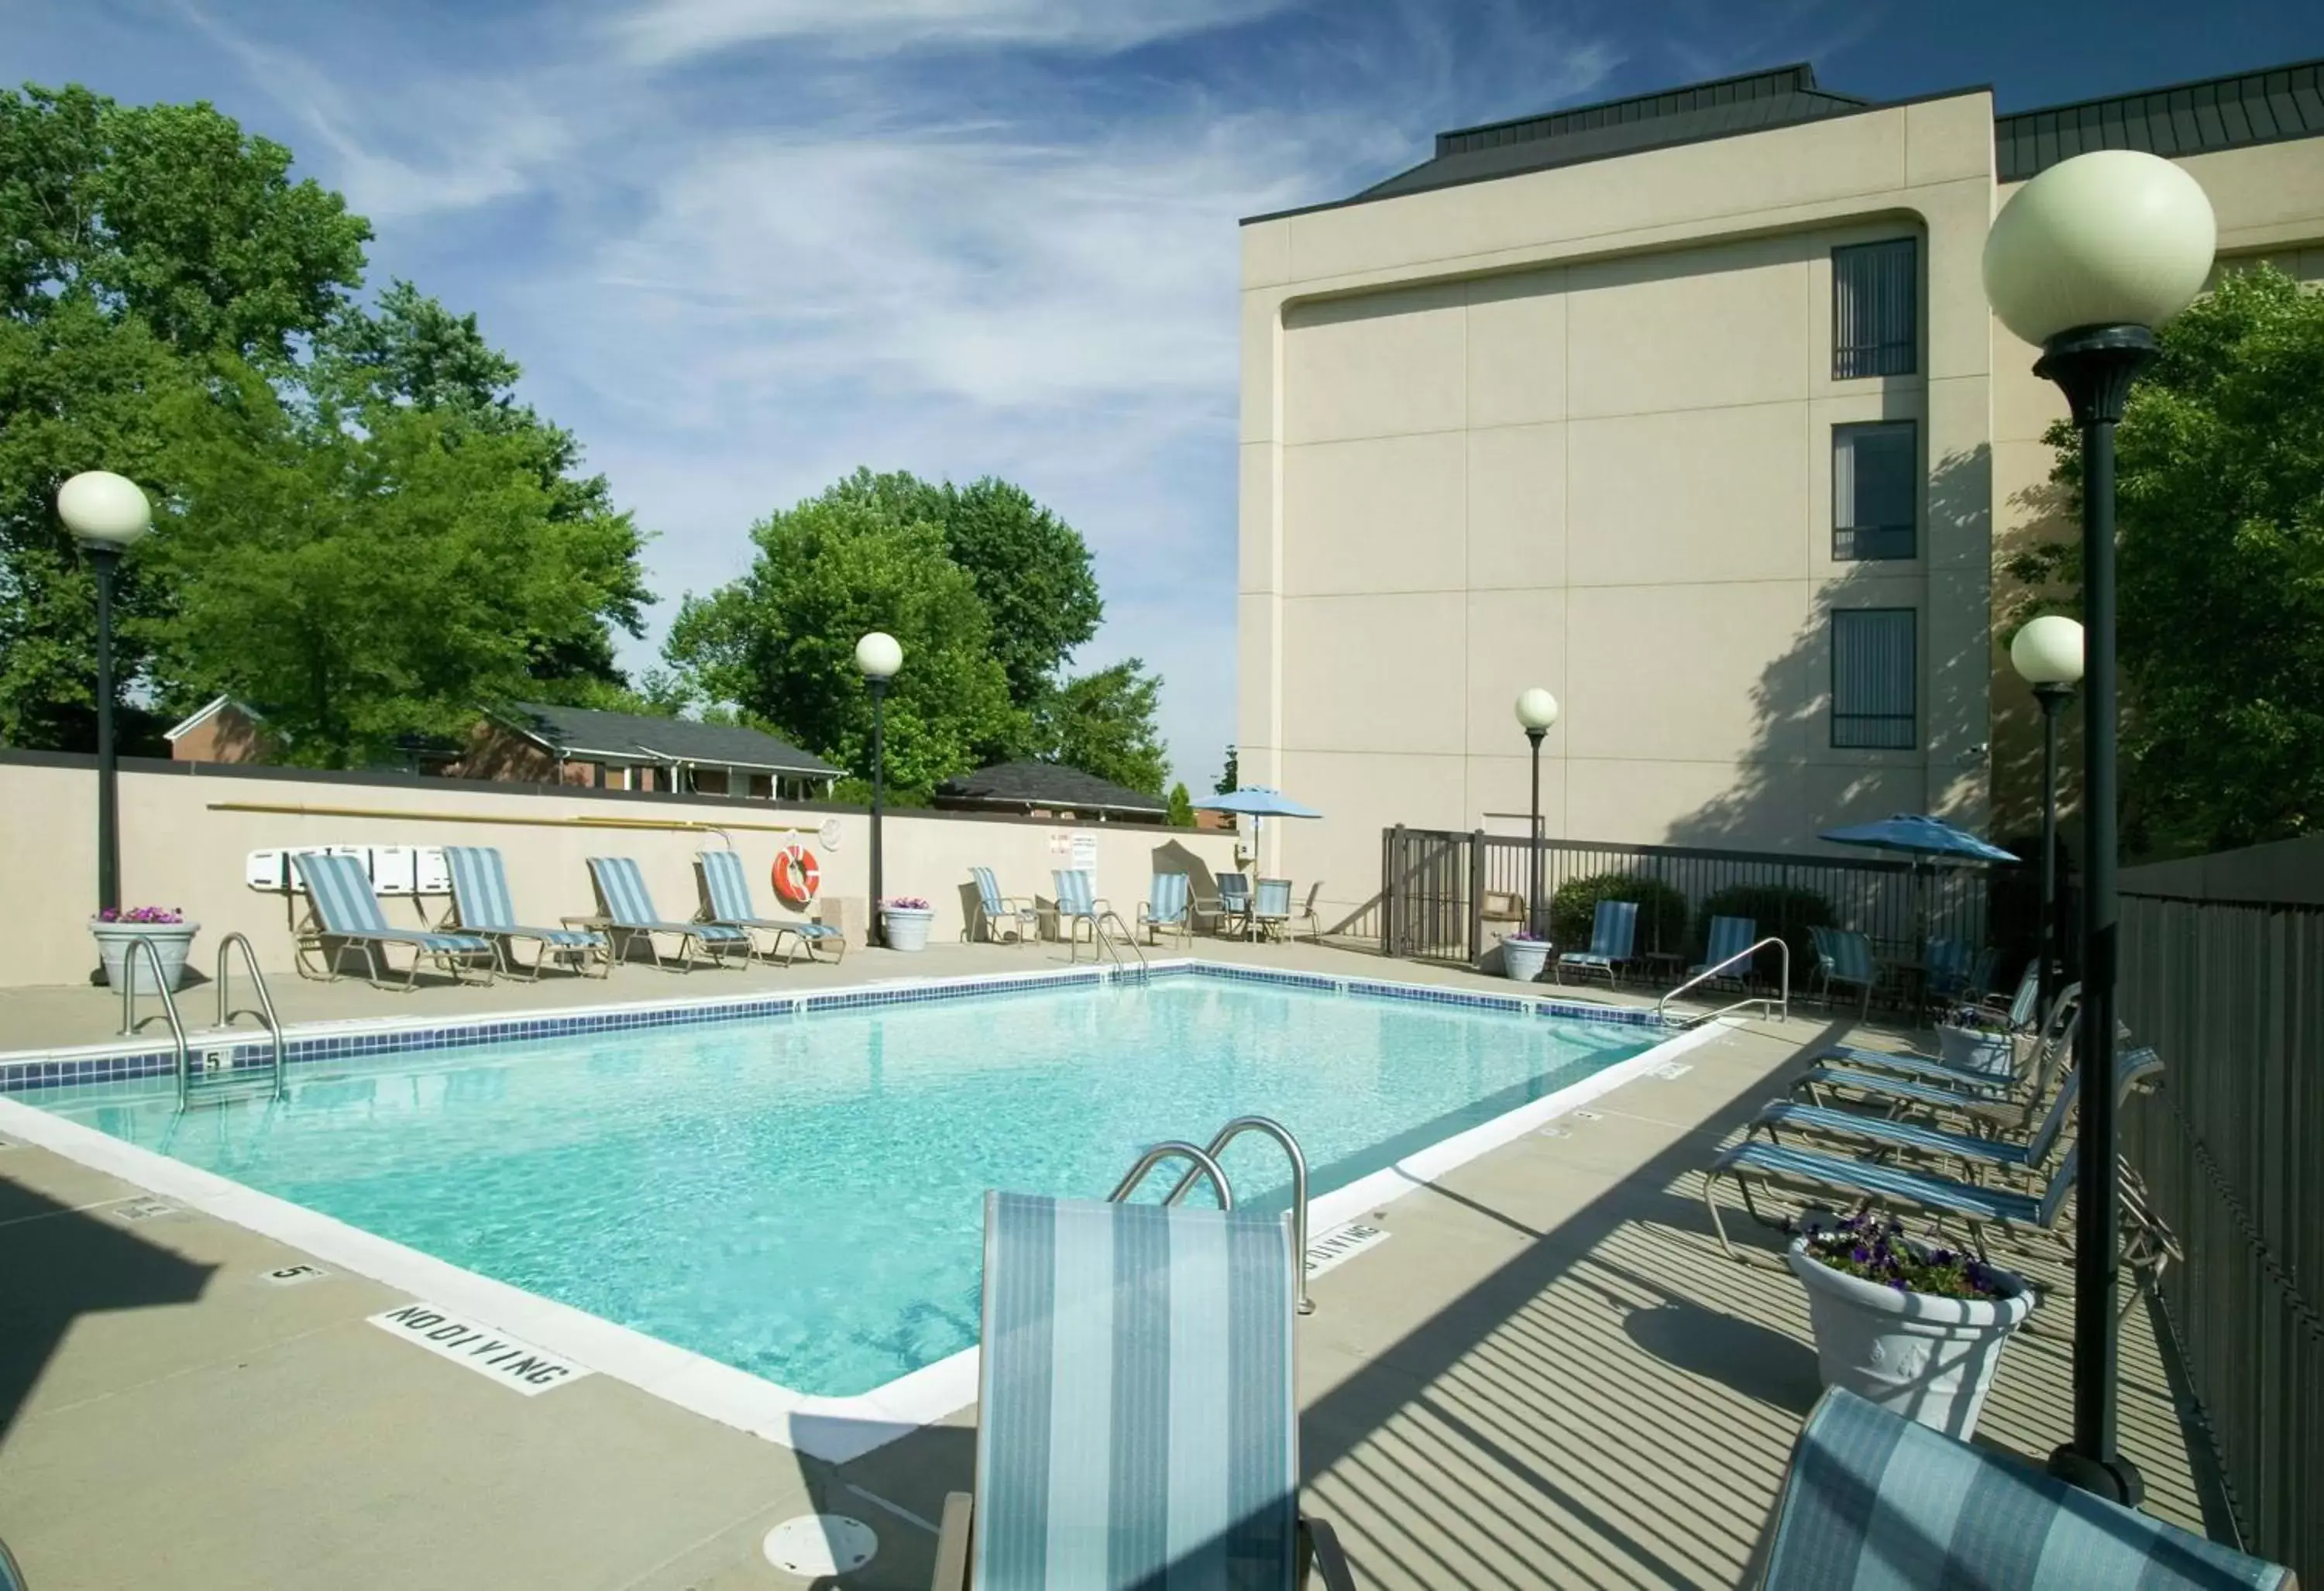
[[1046, 784], [2183, 119], [581, 730]]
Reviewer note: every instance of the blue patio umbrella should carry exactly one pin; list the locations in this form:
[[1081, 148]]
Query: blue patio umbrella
[[1925, 839], [1258, 803]]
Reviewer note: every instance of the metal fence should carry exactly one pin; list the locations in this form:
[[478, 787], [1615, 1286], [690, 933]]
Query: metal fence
[[2231, 1148], [1434, 886]]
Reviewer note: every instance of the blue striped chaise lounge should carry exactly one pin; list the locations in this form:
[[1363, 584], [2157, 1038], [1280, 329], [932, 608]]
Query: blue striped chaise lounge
[[343, 914]]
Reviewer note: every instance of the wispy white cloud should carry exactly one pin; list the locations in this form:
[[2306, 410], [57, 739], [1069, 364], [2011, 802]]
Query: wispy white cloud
[[665, 30]]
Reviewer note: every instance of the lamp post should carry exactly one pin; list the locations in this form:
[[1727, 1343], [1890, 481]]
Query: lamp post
[[107, 515], [1537, 712], [2084, 261], [2048, 656], [878, 656]]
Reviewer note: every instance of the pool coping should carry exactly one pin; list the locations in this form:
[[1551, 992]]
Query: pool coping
[[832, 1429]]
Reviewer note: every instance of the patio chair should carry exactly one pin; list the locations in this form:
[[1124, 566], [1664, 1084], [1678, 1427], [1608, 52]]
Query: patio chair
[[1231, 907], [1271, 908], [1994, 1078], [1974, 1152], [1875, 1499], [343, 914], [1167, 906], [1307, 914], [1078, 904], [727, 903], [1844, 957], [1730, 938], [1612, 932], [482, 904], [1502, 911], [1135, 1417], [994, 909], [630, 916]]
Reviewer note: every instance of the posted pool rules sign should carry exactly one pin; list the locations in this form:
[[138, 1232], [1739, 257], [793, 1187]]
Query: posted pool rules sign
[[509, 1360]]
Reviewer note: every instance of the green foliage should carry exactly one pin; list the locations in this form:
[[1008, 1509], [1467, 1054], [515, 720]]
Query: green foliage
[[2220, 511], [1182, 807], [780, 642], [1777, 909], [1231, 780], [1662, 910], [174, 308], [364, 573], [1103, 723]]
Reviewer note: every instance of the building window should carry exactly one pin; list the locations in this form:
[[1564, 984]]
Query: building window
[[1875, 490], [1874, 686], [1874, 309]]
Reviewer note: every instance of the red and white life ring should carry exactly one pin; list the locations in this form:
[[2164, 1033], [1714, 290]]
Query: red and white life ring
[[797, 878]]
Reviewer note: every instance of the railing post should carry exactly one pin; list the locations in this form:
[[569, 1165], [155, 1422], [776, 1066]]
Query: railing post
[[1391, 892], [1476, 896]]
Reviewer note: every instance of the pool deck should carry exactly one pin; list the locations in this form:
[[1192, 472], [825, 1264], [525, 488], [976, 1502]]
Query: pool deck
[[1548, 1374]]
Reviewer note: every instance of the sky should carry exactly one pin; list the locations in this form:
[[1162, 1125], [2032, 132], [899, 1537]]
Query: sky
[[742, 246]]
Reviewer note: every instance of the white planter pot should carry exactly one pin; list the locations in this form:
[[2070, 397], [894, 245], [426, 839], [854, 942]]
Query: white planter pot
[[905, 928], [1523, 960], [170, 942], [1994, 1052], [1927, 1359]]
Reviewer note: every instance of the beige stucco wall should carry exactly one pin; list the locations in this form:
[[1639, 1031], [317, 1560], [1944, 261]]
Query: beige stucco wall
[[1571, 429], [179, 849]]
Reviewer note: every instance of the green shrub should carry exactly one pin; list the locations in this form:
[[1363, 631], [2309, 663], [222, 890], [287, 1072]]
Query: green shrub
[[1662, 910], [1780, 910]]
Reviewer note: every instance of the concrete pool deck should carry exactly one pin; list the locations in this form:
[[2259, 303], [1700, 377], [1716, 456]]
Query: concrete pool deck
[[1547, 1373]]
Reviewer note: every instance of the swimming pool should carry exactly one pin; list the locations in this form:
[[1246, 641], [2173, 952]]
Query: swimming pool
[[800, 1197]]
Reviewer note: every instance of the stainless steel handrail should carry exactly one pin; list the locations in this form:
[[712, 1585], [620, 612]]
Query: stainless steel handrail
[[1281, 1134], [169, 1004], [266, 1012], [1174, 1149], [1781, 1011], [1097, 921]]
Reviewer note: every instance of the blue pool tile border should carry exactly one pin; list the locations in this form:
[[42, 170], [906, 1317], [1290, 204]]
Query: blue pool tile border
[[250, 1054]]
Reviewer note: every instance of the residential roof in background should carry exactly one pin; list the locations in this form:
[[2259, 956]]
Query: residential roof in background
[[1031, 783], [585, 732]]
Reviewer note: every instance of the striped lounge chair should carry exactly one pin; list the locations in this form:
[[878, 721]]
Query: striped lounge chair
[[343, 914], [1871, 1184], [996, 911], [630, 917], [1168, 907], [1613, 931], [1844, 957], [482, 904], [1722, 956], [1976, 1153], [727, 903], [1903, 1083], [1079, 905], [1136, 1423], [1875, 1499]]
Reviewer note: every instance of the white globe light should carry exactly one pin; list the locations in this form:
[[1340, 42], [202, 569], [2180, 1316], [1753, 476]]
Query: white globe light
[[1536, 709], [102, 509], [2113, 237], [2048, 651], [879, 655]]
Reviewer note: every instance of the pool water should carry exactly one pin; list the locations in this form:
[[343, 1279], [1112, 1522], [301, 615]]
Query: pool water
[[802, 1197]]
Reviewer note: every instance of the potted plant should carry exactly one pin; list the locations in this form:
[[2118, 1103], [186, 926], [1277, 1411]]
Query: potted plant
[[165, 928], [1523, 955], [1916, 1330], [905, 921]]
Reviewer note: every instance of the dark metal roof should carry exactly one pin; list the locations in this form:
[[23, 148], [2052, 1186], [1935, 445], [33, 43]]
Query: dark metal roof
[[585, 732], [1745, 103], [2183, 119], [1045, 784]]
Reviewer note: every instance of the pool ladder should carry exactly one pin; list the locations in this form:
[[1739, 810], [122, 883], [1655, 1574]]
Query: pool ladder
[[1103, 943], [188, 1088], [1204, 1163]]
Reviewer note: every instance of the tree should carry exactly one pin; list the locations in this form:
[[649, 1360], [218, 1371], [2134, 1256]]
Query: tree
[[780, 643], [1231, 780], [2221, 524], [366, 571], [1182, 807], [1103, 723]]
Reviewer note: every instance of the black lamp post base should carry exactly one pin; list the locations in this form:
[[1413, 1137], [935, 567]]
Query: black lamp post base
[[2115, 1479]]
